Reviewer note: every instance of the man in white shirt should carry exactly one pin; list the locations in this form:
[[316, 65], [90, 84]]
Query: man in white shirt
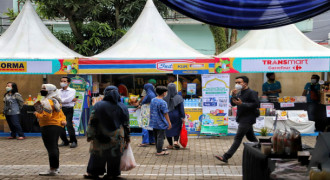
[[68, 101]]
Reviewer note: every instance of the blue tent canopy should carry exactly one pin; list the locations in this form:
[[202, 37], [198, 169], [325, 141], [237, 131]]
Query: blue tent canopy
[[249, 14]]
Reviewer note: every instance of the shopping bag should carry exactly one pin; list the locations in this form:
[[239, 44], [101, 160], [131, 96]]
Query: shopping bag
[[127, 161], [183, 136]]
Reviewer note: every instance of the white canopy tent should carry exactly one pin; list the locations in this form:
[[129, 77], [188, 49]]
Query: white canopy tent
[[286, 41], [28, 38], [150, 46], [150, 37], [282, 49]]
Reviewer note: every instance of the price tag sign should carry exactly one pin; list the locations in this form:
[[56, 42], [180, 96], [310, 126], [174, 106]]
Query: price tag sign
[[286, 105], [267, 105]]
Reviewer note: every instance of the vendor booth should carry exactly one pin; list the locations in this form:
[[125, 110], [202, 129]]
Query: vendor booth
[[28, 53], [149, 50], [280, 50]]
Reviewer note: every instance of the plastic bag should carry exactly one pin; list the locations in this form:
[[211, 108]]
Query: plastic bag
[[183, 136], [127, 161]]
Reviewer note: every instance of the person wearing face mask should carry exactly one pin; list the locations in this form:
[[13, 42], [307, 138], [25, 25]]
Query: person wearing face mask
[[271, 87], [13, 105], [51, 120], [312, 93], [68, 101], [247, 103]]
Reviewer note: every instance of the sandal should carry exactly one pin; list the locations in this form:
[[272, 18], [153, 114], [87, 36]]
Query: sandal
[[90, 176], [221, 158], [169, 147], [177, 146], [143, 145], [164, 153], [152, 143]]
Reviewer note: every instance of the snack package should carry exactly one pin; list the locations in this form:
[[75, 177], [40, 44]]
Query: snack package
[[133, 98]]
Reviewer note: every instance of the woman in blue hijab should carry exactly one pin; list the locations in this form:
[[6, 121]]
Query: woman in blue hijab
[[147, 133], [108, 124]]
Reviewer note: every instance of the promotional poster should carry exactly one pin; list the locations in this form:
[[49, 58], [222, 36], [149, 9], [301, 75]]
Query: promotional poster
[[215, 104]]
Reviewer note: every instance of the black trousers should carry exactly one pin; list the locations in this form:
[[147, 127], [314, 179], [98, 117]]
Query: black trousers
[[159, 138], [170, 140], [50, 135], [68, 112], [96, 165], [244, 129]]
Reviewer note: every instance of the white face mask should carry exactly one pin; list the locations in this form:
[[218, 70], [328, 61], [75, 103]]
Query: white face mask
[[63, 84], [313, 81], [238, 87], [8, 89]]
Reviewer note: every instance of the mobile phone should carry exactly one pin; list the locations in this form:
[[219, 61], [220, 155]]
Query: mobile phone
[[77, 97]]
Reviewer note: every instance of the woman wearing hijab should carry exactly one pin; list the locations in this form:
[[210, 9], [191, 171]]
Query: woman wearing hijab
[[147, 133], [176, 114], [108, 132], [12, 110], [51, 120]]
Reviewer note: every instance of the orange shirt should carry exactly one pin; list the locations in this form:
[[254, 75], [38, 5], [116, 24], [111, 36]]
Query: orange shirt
[[48, 119]]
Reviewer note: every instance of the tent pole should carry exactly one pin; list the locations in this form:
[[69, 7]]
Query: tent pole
[[177, 82], [265, 78], [325, 76]]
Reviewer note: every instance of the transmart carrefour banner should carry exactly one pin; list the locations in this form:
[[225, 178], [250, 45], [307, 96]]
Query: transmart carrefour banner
[[215, 104], [272, 64], [38, 66]]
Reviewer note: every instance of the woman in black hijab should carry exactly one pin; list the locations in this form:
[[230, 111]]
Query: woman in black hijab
[[108, 132], [176, 113]]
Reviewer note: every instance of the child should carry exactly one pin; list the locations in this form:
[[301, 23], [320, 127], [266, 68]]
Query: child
[[159, 119]]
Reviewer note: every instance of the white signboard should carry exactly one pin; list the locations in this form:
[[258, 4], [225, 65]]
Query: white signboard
[[267, 105], [285, 64]]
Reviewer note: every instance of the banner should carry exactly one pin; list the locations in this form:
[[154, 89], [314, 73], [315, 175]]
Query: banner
[[215, 104], [39, 66], [272, 64], [193, 120], [79, 84], [133, 117]]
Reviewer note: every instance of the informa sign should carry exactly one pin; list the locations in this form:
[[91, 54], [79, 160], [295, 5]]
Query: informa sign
[[32, 66], [79, 84], [191, 89], [215, 104], [193, 120]]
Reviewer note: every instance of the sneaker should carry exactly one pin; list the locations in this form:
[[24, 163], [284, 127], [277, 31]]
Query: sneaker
[[10, 137], [63, 144], [20, 138], [73, 145], [49, 173]]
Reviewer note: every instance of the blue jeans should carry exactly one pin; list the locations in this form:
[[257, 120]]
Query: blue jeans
[[147, 136], [14, 125]]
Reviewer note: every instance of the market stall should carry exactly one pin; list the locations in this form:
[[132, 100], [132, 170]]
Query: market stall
[[280, 50], [29, 52], [149, 50]]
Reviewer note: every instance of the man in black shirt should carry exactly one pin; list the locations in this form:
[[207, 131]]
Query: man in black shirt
[[247, 103]]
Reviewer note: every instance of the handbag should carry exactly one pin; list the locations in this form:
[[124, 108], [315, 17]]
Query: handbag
[[127, 161], [183, 136]]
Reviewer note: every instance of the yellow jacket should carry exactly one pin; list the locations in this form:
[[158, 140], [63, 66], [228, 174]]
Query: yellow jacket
[[48, 119]]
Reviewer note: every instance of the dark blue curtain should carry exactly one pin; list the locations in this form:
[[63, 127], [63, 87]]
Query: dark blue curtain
[[249, 14]]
